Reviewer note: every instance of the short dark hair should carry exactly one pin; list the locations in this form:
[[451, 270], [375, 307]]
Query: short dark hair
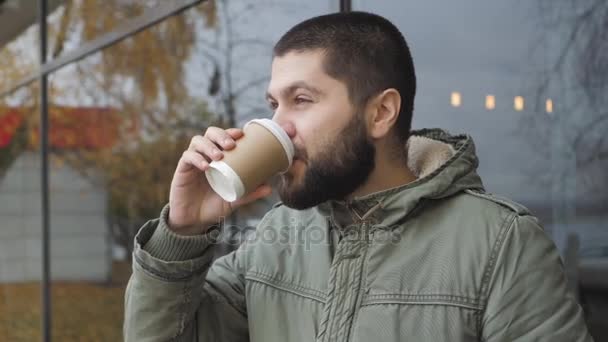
[[363, 50]]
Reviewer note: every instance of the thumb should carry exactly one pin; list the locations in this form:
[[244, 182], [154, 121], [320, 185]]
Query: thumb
[[260, 192]]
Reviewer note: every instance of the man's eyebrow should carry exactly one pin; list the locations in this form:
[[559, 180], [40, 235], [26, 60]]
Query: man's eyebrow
[[295, 86]]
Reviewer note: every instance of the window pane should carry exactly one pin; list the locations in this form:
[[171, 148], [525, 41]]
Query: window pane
[[20, 214], [19, 42], [541, 139], [75, 22], [120, 120]]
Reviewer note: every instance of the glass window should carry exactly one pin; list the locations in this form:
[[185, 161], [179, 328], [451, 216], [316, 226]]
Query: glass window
[[19, 42], [528, 81], [20, 212], [469, 56], [72, 23], [120, 120]]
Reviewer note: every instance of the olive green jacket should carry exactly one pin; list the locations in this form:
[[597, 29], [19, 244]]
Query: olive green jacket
[[434, 260]]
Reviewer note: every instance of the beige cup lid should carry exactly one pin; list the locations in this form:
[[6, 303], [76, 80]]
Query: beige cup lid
[[279, 133]]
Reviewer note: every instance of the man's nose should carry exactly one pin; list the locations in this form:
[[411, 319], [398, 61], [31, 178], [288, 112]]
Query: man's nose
[[289, 128], [286, 124]]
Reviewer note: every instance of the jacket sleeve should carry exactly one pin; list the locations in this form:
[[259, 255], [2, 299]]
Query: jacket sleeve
[[176, 293], [527, 296]]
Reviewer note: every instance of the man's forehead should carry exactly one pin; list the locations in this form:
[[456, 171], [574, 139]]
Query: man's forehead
[[312, 57], [298, 70], [297, 64]]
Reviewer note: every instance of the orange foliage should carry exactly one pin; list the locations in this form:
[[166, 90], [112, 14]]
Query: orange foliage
[[70, 127]]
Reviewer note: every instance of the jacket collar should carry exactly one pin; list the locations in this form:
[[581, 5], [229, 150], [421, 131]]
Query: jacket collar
[[444, 165]]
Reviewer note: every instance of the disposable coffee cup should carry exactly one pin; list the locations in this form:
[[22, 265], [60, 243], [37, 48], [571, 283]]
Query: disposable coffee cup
[[264, 150]]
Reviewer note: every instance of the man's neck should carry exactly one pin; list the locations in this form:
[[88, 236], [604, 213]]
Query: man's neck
[[386, 175]]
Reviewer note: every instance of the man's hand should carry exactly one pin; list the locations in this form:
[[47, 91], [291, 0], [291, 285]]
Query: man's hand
[[193, 205]]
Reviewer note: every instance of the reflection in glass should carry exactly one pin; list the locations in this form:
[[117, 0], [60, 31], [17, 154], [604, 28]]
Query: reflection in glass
[[455, 99], [76, 22], [19, 41], [120, 120], [490, 102], [518, 103], [554, 164], [549, 106], [20, 214]]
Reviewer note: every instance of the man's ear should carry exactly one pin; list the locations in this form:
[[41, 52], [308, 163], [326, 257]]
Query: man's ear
[[383, 112]]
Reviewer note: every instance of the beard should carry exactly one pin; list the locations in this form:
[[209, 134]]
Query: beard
[[344, 164]]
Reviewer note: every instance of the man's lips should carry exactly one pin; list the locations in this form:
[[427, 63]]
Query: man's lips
[[296, 160]]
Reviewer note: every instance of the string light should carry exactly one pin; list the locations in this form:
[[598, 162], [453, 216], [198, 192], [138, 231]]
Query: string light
[[456, 99], [490, 102], [518, 103]]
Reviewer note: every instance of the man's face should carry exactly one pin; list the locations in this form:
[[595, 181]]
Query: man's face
[[334, 155]]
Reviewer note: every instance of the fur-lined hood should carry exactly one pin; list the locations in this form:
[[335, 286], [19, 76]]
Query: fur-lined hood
[[444, 165]]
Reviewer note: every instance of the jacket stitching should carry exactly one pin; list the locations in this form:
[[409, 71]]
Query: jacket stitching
[[181, 328], [183, 314], [423, 302], [177, 277], [519, 209], [363, 285], [217, 296], [455, 298], [274, 279], [485, 283], [287, 287]]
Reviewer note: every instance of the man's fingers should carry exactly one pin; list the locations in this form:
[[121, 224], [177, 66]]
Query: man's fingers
[[221, 137], [206, 147], [235, 133], [192, 159]]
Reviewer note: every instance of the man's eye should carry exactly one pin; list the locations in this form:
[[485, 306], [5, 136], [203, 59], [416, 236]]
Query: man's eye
[[301, 99]]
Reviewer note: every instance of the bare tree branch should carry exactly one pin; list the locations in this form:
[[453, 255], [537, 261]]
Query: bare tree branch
[[582, 132], [577, 75], [568, 46], [63, 28], [250, 84]]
